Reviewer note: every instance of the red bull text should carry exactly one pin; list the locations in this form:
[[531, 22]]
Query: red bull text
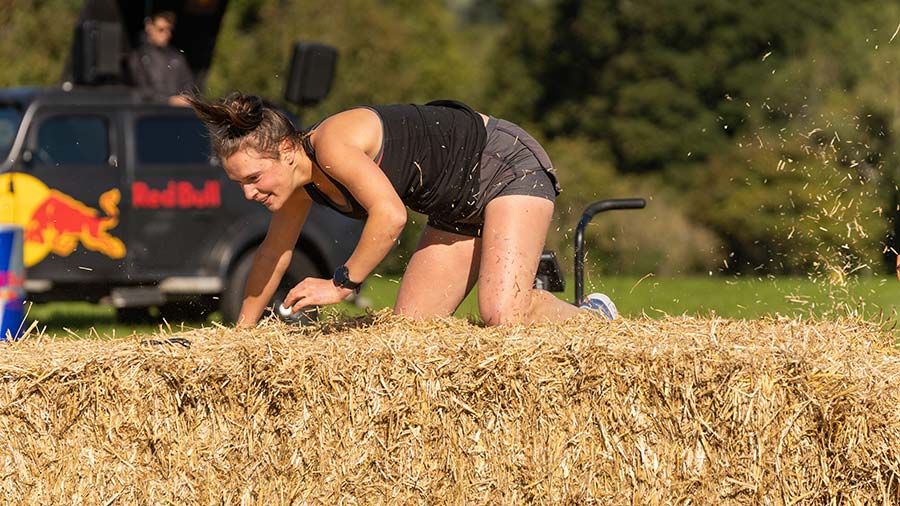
[[176, 195]]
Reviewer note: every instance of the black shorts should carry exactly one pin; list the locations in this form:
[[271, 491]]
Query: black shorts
[[512, 163]]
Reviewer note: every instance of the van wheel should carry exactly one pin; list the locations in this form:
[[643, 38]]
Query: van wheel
[[233, 296]]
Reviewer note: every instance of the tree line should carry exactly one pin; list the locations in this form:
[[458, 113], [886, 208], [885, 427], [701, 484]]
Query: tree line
[[763, 133]]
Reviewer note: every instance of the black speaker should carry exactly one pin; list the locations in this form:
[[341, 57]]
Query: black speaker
[[311, 73], [97, 53]]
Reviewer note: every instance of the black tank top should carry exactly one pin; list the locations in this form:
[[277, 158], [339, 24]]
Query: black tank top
[[431, 155]]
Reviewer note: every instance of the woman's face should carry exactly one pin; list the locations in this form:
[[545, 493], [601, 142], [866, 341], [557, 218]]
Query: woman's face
[[263, 179]]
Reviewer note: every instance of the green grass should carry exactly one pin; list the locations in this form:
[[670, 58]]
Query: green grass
[[82, 320], [751, 298], [747, 298]]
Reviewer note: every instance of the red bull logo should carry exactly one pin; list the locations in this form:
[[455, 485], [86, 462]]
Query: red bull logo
[[176, 195], [57, 223]]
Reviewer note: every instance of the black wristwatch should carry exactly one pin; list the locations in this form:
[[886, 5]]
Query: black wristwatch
[[342, 279]]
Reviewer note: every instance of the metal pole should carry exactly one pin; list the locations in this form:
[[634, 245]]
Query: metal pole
[[586, 217]]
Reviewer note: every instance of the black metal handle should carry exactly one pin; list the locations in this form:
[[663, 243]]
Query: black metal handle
[[586, 217]]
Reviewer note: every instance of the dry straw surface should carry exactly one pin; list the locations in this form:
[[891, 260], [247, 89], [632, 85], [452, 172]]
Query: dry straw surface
[[382, 410]]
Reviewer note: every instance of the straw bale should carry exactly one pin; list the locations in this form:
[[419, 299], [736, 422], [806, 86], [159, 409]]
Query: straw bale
[[384, 410]]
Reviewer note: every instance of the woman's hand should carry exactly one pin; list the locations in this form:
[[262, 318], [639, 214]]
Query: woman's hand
[[315, 292]]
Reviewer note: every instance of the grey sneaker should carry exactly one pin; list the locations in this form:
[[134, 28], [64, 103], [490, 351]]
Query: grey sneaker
[[600, 304]]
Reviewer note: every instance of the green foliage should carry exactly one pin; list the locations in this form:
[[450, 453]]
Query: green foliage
[[659, 239], [35, 36], [811, 187], [513, 89], [655, 80], [401, 51], [785, 213], [763, 132], [730, 110]]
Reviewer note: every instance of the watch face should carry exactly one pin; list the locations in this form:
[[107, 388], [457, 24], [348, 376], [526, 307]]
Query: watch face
[[342, 278]]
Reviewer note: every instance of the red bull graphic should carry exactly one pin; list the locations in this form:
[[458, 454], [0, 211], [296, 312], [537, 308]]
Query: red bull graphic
[[57, 223]]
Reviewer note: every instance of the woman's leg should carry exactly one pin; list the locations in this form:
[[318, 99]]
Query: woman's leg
[[440, 274], [515, 229]]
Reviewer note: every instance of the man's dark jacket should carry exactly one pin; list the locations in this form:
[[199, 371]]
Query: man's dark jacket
[[160, 71]]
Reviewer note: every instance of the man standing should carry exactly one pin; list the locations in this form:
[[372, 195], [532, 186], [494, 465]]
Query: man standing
[[157, 68]]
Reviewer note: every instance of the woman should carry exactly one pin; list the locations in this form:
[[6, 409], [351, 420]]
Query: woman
[[487, 187]]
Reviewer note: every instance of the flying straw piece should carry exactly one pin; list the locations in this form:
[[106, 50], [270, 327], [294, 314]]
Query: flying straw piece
[[895, 34]]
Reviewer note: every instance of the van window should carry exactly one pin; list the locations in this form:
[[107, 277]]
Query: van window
[[170, 140], [73, 140], [10, 117]]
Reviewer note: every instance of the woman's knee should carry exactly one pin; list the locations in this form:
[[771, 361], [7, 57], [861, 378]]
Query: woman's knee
[[505, 310]]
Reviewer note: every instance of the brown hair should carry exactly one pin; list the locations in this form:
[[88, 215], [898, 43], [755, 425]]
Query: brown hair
[[242, 121], [167, 15]]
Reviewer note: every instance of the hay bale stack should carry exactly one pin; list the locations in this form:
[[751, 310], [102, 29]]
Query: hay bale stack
[[381, 410]]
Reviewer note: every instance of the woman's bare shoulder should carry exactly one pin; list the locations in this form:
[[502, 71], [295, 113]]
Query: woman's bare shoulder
[[359, 119], [360, 127]]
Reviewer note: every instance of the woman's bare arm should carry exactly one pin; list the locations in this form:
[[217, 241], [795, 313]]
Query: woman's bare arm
[[341, 151], [344, 146], [273, 257]]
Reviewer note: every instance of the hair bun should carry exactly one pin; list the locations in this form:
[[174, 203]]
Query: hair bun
[[245, 112], [243, 121]]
